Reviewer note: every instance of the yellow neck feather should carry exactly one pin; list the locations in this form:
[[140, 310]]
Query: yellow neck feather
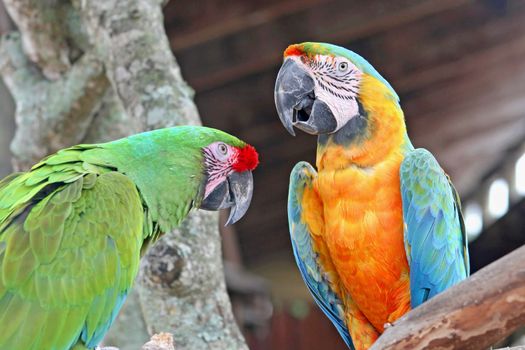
[[385, 132]]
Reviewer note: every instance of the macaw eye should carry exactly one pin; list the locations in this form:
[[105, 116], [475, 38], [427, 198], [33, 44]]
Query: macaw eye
[[223, 149], [343, 66]]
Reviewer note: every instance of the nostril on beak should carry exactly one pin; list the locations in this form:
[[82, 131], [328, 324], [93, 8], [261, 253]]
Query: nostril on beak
[[294, 91], [303, 110], [303, 115]]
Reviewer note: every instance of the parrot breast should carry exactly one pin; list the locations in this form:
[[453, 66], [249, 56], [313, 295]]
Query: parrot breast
[[364, 234]]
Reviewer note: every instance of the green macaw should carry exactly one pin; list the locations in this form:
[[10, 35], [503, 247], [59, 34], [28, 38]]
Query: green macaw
[[72, 229]]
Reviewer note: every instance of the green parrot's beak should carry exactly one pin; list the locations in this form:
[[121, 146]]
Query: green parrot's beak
[[241, 189], [297, 104], [235, 193]]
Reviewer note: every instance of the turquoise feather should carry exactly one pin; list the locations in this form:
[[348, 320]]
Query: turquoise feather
[[315, 278], [435, 237]]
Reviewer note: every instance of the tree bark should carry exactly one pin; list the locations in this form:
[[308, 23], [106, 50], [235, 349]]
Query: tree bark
[[7, 108], [474, 314], [92, 71], [50, 115]]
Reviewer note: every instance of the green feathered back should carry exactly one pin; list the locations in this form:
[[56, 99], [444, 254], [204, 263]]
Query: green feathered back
[[72, 229]]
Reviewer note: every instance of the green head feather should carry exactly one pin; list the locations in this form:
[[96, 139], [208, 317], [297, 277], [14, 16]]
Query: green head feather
[[166, 165]]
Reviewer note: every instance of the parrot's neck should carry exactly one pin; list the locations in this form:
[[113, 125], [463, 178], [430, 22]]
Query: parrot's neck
[[369, 138], [168, 178]]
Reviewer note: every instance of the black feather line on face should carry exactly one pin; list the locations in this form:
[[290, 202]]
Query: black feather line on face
[[216, 168], [350, 96], [343, 86]]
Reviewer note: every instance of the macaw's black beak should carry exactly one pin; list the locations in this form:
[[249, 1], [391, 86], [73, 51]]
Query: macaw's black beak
[[296, 103], [235, 193]]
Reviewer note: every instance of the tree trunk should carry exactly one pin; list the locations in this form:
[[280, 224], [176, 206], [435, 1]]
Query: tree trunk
[[91, 71], [7, 108]]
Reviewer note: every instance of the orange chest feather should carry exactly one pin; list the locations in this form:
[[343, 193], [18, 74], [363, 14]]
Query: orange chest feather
[[359, 201], [363, 231], [362, 208]]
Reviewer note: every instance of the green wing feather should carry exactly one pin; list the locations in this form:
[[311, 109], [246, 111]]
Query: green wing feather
[[70, 241]]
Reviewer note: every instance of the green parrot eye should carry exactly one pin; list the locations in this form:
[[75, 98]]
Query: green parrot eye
[[343, 66], [223, 149]]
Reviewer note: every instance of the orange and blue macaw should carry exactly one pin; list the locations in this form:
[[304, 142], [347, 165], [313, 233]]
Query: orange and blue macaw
[[377, 229]]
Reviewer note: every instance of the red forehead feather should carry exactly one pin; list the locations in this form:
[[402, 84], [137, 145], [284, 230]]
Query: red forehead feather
[[248, 159], [293, 50]]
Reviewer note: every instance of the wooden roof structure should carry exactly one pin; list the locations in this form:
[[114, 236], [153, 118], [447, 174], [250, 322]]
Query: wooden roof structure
[[458, 66]]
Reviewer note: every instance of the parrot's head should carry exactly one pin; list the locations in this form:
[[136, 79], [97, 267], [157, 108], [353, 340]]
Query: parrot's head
[[228, 164], [184, 167], [319, 87]]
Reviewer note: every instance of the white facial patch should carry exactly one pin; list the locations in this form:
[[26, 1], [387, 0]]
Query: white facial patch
[[218, 158], [336, 84]]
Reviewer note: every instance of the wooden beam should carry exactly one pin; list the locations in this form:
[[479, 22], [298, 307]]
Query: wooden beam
[[241, 18], [422, 68], [489, 53], [468, 160], [423, 52], [502, 237], [260, 48], [460, 73], [492, 70], [476, 115], [474, 314], [188, 18]]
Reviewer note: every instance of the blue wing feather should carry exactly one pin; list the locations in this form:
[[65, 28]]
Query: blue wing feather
[[312, 272], [93, 340], [434, 232]]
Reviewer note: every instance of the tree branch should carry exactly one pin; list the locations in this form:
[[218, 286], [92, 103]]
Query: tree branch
[[474, 314], [54, 114], [44, 41], [129, 35]]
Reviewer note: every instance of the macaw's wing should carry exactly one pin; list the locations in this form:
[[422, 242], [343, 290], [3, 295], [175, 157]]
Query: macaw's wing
[[435, 240], [307, 251], [68, 256]]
